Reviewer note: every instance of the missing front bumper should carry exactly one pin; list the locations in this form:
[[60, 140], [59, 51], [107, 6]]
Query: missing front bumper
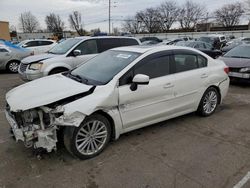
[[45, 139]]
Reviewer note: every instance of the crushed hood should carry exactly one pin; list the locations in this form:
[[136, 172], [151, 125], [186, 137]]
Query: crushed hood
[[39, 57], [44, 91], [236, 62]]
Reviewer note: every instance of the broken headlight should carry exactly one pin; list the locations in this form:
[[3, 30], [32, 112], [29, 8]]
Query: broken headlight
[[30, 116]]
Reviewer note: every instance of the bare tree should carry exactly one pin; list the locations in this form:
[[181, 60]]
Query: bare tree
[[230, 14], [247, 3], [28, 22], [75, 20], [54, 23], [190, 14], [169, 12], [132, 25], [150, 18]]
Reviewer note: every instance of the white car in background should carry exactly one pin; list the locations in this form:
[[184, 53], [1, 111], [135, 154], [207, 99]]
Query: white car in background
[[69, 54], [118, 91], [38, 46]]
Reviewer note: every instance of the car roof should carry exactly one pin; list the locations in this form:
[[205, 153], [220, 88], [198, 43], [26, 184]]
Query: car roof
[[102, 37], [144, 49], [37, 40]]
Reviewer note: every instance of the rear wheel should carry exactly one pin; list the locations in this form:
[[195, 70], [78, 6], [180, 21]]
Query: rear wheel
[[13, 66], [90, 138], [209, 102]]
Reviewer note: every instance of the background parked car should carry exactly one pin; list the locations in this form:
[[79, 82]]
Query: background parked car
[[202, 46], [217, 41], [234, 44], [11, 56], [238, 61], [69, 54], [38, 46], [157, 40]]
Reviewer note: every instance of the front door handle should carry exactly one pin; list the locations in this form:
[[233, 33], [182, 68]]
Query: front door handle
[[204, 75], [168, 85]]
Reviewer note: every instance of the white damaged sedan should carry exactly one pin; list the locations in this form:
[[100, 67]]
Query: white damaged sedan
[[118, 91]]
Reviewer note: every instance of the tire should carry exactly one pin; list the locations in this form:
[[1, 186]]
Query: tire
[[12, 66], [83, 141], [209, 102], [57, 70]]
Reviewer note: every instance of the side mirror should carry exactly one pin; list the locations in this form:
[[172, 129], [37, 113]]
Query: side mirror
[[77, 52], [139, 79], [24, 45]]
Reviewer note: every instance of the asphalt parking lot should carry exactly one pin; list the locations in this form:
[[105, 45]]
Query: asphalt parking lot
[[186, 152]]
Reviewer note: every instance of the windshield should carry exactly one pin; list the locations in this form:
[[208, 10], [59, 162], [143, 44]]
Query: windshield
[[181, 43], [64, 46], [239, 52], [206, 39], [21, 43], [102, 68]]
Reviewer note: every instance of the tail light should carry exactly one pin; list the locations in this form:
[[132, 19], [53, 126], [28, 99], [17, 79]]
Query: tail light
[[226, 70]]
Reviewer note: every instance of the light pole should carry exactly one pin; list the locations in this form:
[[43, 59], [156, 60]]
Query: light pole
[[109, 14]]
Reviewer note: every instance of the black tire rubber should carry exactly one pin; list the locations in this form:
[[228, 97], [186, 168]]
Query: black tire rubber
[[8, 66], [70, 136], [57, 70], [200, 110]]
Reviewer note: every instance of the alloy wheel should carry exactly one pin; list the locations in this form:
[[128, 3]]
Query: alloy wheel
[[210, 102], [13, 66], [91, 137]]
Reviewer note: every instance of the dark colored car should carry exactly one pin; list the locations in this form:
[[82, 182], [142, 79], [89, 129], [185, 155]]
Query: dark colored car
[[233, 45], [238, 61], [202, 46], [218, 42], [143, 39]]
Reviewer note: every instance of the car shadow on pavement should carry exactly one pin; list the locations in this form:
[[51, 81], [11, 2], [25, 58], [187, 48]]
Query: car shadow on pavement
[[240, 84], [6, 72]]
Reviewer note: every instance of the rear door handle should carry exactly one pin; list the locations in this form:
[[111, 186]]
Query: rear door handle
[[204, 75], [168, 85]]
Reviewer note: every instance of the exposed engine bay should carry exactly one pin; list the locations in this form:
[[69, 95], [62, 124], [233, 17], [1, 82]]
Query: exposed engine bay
[[38, 127]]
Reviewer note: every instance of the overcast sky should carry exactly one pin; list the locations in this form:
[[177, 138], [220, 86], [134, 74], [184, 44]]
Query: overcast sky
[[95, 12]]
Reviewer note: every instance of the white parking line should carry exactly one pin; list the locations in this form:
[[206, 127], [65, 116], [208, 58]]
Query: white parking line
[[243, 181]]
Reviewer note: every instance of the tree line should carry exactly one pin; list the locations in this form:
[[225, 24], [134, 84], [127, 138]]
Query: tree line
[[186, 16], [28, 23], [155, 19]]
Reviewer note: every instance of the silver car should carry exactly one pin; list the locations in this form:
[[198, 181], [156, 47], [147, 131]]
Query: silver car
[[11, 56]]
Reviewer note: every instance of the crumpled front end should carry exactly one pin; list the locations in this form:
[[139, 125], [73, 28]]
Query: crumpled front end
[[38, 127]]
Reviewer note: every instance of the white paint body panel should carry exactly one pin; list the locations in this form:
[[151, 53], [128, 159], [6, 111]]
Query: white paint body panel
[[33, 94], [163, 98]]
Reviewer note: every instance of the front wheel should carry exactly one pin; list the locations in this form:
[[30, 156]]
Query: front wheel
[[209, 102], [13, 66], [90, 138]]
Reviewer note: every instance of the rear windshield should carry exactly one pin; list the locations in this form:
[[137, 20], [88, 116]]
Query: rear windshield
[[239, 52]]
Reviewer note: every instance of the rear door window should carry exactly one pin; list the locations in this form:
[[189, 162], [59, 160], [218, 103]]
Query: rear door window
[[45, 43], [108, 43], [185, 62], [31, 44], [128, 42]]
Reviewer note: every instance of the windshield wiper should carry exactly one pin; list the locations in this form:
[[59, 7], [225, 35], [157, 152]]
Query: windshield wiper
[[74, 77], [238, 57]]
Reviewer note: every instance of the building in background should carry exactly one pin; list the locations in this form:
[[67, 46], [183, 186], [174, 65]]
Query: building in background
[[43, 35], [4, 30]]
